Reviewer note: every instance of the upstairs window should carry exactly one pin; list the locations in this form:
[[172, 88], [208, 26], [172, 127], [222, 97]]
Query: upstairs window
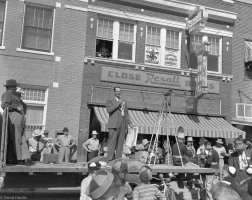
[[115, 40], [2, 19], [162, 47], [214, 56], [244, 111], [38, 28]]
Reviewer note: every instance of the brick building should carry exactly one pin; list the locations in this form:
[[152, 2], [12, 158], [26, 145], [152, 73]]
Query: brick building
[[68, 56], [241, 104]]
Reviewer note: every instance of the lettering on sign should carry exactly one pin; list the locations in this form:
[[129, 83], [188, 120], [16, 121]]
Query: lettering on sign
[[171, 57], [152, 55], [134, 77]]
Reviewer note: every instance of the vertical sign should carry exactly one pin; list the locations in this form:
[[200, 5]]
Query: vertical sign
[[202, 52]]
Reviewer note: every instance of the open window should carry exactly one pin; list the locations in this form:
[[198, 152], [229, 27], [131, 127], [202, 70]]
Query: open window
[[248, 55]]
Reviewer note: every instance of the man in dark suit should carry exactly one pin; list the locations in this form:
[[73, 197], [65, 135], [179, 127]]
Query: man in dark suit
[[240, 159], [117, 124]]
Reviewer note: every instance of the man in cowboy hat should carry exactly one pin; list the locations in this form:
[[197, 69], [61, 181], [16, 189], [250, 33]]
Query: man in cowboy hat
[[146, 190], [92, 146], [36, 145], [222, 153], [241, 159], [65, 143], [16, 116], [93, 167], [179, 151], [118, 123]]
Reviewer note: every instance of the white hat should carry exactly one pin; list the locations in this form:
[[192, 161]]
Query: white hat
[[37, 132], [145, 141], [189, 139], [219, 141], [94, 133], [19, 90], [181, 135]]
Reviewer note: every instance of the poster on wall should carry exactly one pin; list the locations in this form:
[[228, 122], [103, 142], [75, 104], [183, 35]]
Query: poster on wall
[[152, 55], [171, 57]]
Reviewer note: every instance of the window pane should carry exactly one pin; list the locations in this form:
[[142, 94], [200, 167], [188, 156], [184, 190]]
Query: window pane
[[240, 110], [33, 94], [126, 32], [29, 16], [48, 19], [38, 18], [125, 51], [105, 28], [212, 63], [30, 38], [153, 36], [214, 46], [44, 40], [2, 11], [248, 112], [172, 39], [34, 114]]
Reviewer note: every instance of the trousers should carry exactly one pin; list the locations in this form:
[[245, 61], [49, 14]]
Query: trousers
[[92, 154], [116, 141], [211, 180], [64, 154], [17, 135]]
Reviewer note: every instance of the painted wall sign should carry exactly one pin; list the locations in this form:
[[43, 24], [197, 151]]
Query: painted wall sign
[[171, 57], [111, 74], [152, 55]]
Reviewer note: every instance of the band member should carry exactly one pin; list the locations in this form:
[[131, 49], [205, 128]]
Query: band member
[[240, 160], [92, 146], [64, 142], [180, 148], [16, 123], [211, 162], [117, 124]]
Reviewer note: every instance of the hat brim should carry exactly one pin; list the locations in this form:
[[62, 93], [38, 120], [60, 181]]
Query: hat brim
[[219, 142], [95, 133], [35, 135]]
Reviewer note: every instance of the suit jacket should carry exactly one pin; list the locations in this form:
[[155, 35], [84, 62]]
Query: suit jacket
[[234, 159], [115, 115]]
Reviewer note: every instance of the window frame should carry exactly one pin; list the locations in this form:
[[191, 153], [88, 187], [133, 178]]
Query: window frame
[[206, 38], [244, 114], [29, 50], [116, 37], [4, 24], [162, 46]]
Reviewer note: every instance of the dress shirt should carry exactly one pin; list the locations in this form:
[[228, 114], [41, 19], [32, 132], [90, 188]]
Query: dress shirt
[[35, 145], [85, 188], [92, 144], [65, 140]]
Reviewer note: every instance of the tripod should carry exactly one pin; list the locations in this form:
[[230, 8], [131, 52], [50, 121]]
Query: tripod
[[162, 116]]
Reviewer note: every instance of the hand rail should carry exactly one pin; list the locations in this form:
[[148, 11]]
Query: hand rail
[[4, 138]]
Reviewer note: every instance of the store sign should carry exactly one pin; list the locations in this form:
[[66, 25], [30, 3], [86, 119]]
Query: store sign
[[196, 20], [134, 77], [171, 57]]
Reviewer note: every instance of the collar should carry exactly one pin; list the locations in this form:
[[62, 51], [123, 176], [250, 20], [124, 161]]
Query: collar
[[116, 98]]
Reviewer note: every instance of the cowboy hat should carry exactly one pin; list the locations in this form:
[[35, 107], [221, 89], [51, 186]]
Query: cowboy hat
[[181, 135], [145, 141], [94, 166], [65, 129], [20, 90], [36, 133], [94, 133], [189, 139], [11, 82], [219, 141]]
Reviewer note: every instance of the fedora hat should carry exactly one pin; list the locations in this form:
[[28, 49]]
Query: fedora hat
[[145, 173], [145, 141], [65, 129], [100, 183], [11, 82], [189, 139], [94, 133], [37, 132], [20, 90], [219, 141]]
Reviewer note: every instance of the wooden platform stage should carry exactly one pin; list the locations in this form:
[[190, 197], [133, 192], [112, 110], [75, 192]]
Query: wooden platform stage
[[134, 167]]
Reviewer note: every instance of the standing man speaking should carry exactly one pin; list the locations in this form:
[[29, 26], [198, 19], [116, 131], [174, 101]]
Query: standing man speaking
[[117, 124]]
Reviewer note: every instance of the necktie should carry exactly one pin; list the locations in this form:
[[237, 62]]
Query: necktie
[[37, 146]]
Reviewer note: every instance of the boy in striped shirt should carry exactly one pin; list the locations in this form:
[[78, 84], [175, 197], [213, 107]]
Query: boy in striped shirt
[[147, 191]]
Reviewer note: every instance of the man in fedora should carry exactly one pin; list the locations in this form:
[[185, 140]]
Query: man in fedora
[[117, 124], [16, 123], [92, 146], [179, 151], [222, 153], [36, 145], [65, 142]]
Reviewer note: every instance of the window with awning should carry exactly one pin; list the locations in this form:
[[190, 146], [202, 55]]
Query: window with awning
[[194, 125], [248, 55]]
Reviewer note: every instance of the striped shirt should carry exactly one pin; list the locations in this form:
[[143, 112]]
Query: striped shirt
[[147, 192]]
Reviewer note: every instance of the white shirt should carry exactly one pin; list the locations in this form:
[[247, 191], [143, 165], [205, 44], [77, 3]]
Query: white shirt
[[243, 162], [85, 188], [220, 150]]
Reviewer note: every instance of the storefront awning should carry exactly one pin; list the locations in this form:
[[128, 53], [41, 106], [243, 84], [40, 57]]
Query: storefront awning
[[248, 51], [195, 126]]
